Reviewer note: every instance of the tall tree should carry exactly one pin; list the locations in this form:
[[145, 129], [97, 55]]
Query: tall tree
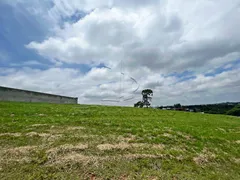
[[147, 97]]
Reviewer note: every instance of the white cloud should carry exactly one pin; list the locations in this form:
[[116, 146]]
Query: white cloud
[[91, 88], [146, 39], [163, 36]]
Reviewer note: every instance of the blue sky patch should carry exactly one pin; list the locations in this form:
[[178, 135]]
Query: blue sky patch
[[18, 28], [224, 68]]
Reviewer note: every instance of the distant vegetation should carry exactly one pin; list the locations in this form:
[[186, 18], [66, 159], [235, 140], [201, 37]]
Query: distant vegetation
[[229, 108], [234, 111]]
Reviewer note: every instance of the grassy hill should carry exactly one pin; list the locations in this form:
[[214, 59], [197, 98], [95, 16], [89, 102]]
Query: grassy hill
[[49, 141]]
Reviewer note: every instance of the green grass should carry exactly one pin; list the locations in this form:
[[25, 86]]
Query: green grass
[[50, 141]]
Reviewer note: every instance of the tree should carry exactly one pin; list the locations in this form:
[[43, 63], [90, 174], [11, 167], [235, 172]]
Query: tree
[[139, 104], [146, 97], [177, 105], [235, 111]]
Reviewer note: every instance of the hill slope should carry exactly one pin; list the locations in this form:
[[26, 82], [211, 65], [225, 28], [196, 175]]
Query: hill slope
[[49, 141]]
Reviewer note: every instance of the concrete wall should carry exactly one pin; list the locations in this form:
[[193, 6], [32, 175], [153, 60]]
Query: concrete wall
[[11, 94]]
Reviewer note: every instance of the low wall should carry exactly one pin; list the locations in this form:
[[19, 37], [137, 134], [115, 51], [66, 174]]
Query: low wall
[[12, 94]]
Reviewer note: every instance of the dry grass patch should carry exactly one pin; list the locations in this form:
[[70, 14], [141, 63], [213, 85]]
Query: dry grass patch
[[180, 157], [74, 157], [158, 146], [236, 160], [23, 150], [58, 152], [67, 148], [46, 136], [178, 149], [186, 136], [145, 145], [73, 128], [126, 139], [168, 135], [140, 145], [204, 157], [39, 125], [32, 134], [64, 129], [41, 115], [121, 146], [238, 141], [221, 129], [19, 154], [88, 136], [11, 134]]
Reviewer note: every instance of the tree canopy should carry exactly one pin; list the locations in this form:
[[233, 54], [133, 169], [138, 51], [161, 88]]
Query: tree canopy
[[234, 111], [139, 104], [147, 96]]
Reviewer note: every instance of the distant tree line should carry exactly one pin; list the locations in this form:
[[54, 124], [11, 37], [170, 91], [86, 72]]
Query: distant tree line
[[213, 108], [230, 108]]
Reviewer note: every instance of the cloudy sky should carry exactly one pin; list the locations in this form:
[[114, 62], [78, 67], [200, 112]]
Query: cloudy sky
[[186, 51]]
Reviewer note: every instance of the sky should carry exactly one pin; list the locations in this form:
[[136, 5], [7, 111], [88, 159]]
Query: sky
[[106, 52]]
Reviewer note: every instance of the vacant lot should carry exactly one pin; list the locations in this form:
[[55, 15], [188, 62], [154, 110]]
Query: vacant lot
[[43, 141]]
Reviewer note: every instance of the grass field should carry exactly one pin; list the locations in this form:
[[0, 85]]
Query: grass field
[[49, 141]]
